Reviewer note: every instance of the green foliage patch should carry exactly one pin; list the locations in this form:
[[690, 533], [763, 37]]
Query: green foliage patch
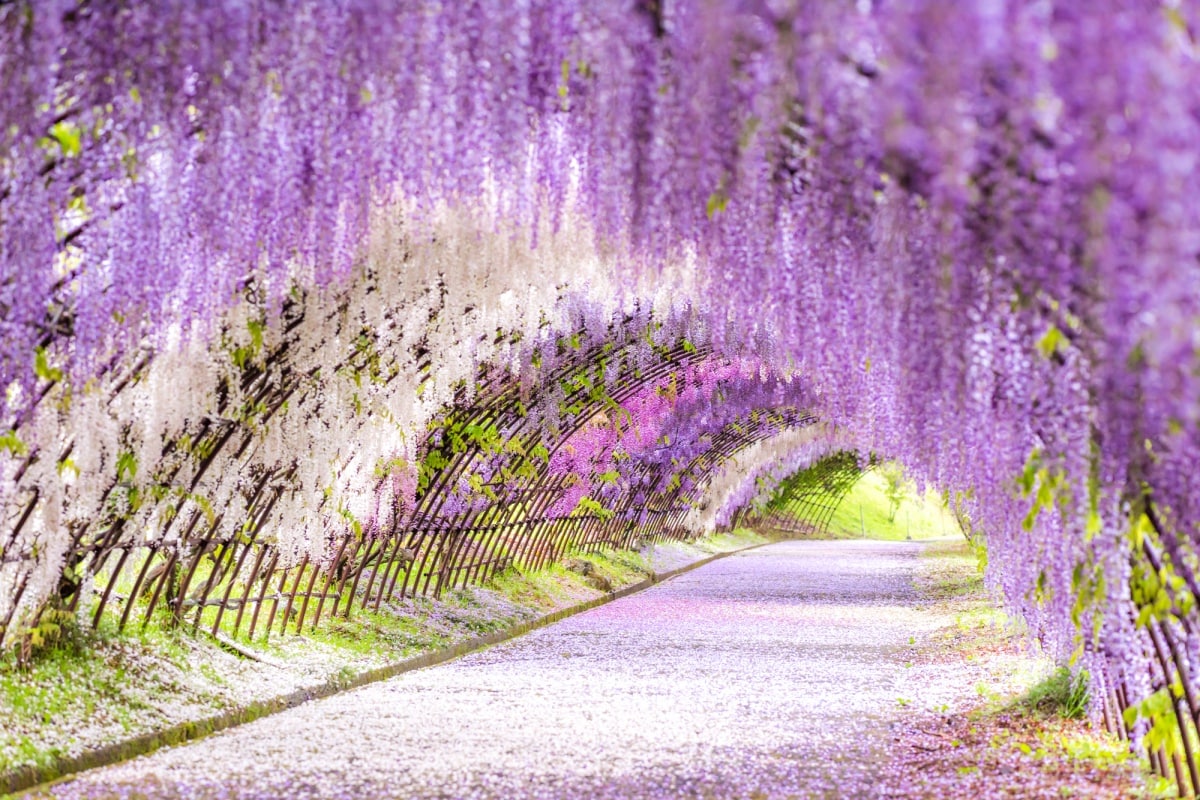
[[876, 508], [1062, 693]]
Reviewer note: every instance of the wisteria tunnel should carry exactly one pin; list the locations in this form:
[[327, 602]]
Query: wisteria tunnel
[[307, 307]]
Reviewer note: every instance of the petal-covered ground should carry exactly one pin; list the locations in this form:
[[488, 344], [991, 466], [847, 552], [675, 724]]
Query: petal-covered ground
[[801, 669]]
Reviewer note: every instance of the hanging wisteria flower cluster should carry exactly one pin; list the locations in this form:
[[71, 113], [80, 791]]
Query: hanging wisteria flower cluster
[[259, 261]]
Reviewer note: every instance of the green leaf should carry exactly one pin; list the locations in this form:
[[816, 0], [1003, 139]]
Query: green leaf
[[717, 201], [563, 89], [126, 466], [69, 137], [1050, 342], [12, 443], [41, 366], [256, 333], [587, 505]]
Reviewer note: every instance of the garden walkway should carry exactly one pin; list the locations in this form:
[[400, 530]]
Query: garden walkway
[[777, 672]]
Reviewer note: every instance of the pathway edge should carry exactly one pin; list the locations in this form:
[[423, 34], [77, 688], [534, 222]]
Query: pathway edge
[[26, 778]]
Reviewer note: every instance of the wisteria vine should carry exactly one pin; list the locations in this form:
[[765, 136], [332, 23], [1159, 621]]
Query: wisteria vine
[[963, 235]]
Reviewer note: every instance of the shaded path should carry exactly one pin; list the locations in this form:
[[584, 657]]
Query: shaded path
[[773, 673]]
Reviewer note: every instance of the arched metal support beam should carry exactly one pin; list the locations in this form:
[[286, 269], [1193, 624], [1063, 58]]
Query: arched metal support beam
[[225, 583], [807, 501]]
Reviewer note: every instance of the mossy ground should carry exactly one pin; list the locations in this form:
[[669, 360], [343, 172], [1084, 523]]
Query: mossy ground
[[98, 686]]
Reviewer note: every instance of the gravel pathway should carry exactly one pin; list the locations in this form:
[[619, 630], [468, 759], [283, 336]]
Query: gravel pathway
[[778, 672]]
